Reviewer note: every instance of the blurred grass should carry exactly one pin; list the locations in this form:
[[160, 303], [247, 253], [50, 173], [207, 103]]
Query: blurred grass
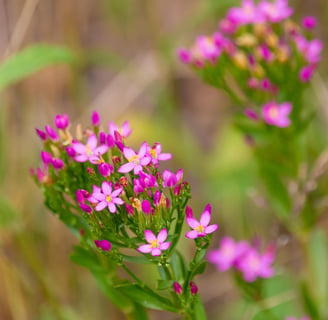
[[39, 281]]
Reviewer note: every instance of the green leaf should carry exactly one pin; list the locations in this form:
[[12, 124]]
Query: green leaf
[[201, 255], [86, 258], [135, 259], [164, 284], [318, 256], [200, 268], [31, 60], [147, 298], [199, 309], [178, 266]]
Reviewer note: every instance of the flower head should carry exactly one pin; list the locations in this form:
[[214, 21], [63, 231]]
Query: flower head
[[201, 227], [156, 153], [90, 151], [277, 115], [106, 197], [124, 132], [103, 244], [170, 179], [61, 121], [155, 244], [136, 160]]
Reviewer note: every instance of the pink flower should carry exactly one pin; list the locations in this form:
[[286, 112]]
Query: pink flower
[[201, 227], [306, 73], [277, 115], [52, 134], [247, 13], [155, 244], [251, 114], [90, 151], [103, 244], [275, 11], [185, 55], [95, 119], [170, 179], [207, 48], [136, 160], [226, 256], [156, 153], [124, 132], [313, 51], [106, 197], [254, 265]]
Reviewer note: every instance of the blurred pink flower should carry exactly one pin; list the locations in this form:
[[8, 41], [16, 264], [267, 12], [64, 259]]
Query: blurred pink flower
[[277, 115], [155, 244]]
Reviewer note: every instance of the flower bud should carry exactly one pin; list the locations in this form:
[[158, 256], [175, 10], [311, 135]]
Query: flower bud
[[193, 289], [105, 169], [70, 152], [102, 137], [41, 134], [61, 121], [84, 207], [309, 22], [116, 160], [157, 198], [57, 163], [177, 288], [46, 157], [90, 171], [51, 133], [123, 181], [129, 209], [103, 244], [146, 207], [95, 119]]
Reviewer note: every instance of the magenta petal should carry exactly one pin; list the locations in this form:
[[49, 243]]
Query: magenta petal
[[192, 222], [94, 159], [137, 169], [116, 192], [112, 127], [101, 206], [111, 207], [205, 218], [81, 158], [92, 142], [128, 153], [145, 160], [99, 196], [192, 234], [126, 130], [165, 156], [126, 167], [106, 188], [156, 252], [118, 201], [145, 248], [162, 235], [101, 150], [149, 236], [143, 150], [78, 147], [211, 228], [165, 245], [179, 175], [285, 108]]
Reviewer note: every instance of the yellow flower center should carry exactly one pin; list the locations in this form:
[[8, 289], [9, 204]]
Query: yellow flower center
[[154, 243], [273, 113], [88, 150], [134, 158], [108, 198], [200, 229], [153, 153]]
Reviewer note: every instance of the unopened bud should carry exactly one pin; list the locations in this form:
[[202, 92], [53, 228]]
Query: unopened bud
[[177, 288]]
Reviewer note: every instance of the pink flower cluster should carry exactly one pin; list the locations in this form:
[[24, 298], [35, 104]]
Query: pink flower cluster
[[243, 257], [261, 43], [124, 182]]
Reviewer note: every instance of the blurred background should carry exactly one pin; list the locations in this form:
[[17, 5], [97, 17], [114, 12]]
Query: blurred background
[[125, 68]]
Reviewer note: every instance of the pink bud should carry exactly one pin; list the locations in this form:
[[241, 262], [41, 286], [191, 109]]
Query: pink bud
[[103, 244], [189, 213], [193, 289], [177, 288], [102, 137], [177, 190], [146, 207], [110, 141], [105, 169], [90, 171], [95, 119], [309, 22], [84, 207], [129, 209], [57, 163], [157, 198], [41, 134], [51, 133], [61, 121], [46, 157], [70, 152]]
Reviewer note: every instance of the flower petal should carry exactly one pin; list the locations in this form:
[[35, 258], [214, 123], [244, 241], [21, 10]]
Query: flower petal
[[164, 245], [192, 222], [143, 150], [101, 150], [111, 207], [149, 236], [145, 248], [118, 201], [162, 235], [116, 192], [106, 188], [211, 228], [81, 158], [101, 206], [127, 167], [192, 234], [165, 156], [156, 252], [128, 153], [78, 147], [92, 141], [99, 196], [205, 218]]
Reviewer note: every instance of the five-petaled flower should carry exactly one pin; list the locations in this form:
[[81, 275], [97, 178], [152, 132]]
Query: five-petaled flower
[[201, 227], [106, 197], [90, 151], [155, 244], [277, 115], [136, 160]]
